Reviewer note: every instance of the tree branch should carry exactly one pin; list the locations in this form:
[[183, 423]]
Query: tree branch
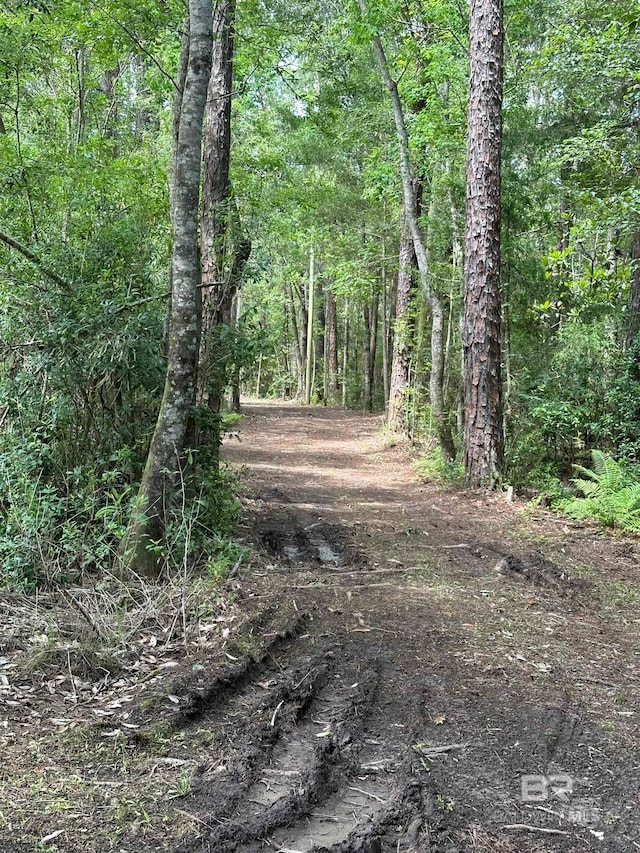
[[38, 262]]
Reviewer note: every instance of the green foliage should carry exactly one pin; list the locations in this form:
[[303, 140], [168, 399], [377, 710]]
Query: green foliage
[[84, 153], [222, 558], [55, 534], [584, 394], [432, 466], [610, 493], [201, 523]]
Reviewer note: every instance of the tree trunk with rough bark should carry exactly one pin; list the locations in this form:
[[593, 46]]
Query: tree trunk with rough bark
[[163, 468], [403, 333], [484, 442], [216, 292]]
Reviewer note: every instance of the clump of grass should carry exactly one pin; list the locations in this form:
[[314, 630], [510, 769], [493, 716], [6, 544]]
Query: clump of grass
[[433, 466]]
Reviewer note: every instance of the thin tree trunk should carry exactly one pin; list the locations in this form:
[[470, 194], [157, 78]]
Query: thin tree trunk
[[410, 209], [80, 56], [310, 309], [484, 445], [108, 82], [403, 333], [299, 292], [633, 325], [235, 385], [240, 259], [370, 349], [25, 181], [36, 261], [373, 337], [319, 335], [385, 328], [183, 67], [367, 392], [259, 377], [296, 342], [345, 353], [163, 467], [332, 322]]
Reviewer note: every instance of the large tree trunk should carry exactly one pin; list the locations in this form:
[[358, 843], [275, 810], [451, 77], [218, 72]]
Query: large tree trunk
[[217, 292], [163, 467], [484, 444], [411, 214], [403, 332]]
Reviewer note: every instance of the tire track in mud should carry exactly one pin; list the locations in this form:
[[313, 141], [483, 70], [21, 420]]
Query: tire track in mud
[[308, 762], [316, 781], [305, 767], [297, 538], [300, 770]]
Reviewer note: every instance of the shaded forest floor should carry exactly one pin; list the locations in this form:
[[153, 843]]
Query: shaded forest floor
[[399, 668]]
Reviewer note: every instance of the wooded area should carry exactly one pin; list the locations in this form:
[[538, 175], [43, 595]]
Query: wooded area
[[402, 207], [319, 426]]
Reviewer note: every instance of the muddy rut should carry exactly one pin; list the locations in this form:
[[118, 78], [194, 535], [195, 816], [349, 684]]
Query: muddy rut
[[422, 691]]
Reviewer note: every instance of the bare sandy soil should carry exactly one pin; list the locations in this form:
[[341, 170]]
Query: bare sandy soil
[[399, 667]]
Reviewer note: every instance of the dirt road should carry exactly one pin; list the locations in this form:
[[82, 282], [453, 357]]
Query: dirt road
[[397, 667], [469, 667]]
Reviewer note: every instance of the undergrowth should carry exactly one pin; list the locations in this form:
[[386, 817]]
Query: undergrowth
[[610, 493], [433, 466], [61, 534]]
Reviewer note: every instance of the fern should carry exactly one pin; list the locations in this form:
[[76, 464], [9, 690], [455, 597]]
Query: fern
[[610, 494]]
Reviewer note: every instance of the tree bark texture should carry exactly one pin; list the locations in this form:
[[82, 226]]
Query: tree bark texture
[[217, 290], [484, 444], [403, 329], [162, 469]]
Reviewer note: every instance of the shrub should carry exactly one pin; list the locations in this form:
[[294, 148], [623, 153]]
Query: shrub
[[610, 493], [434, 467]]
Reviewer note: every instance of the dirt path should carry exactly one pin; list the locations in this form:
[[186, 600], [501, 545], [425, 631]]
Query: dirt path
[[458, 706], [398, 668]]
